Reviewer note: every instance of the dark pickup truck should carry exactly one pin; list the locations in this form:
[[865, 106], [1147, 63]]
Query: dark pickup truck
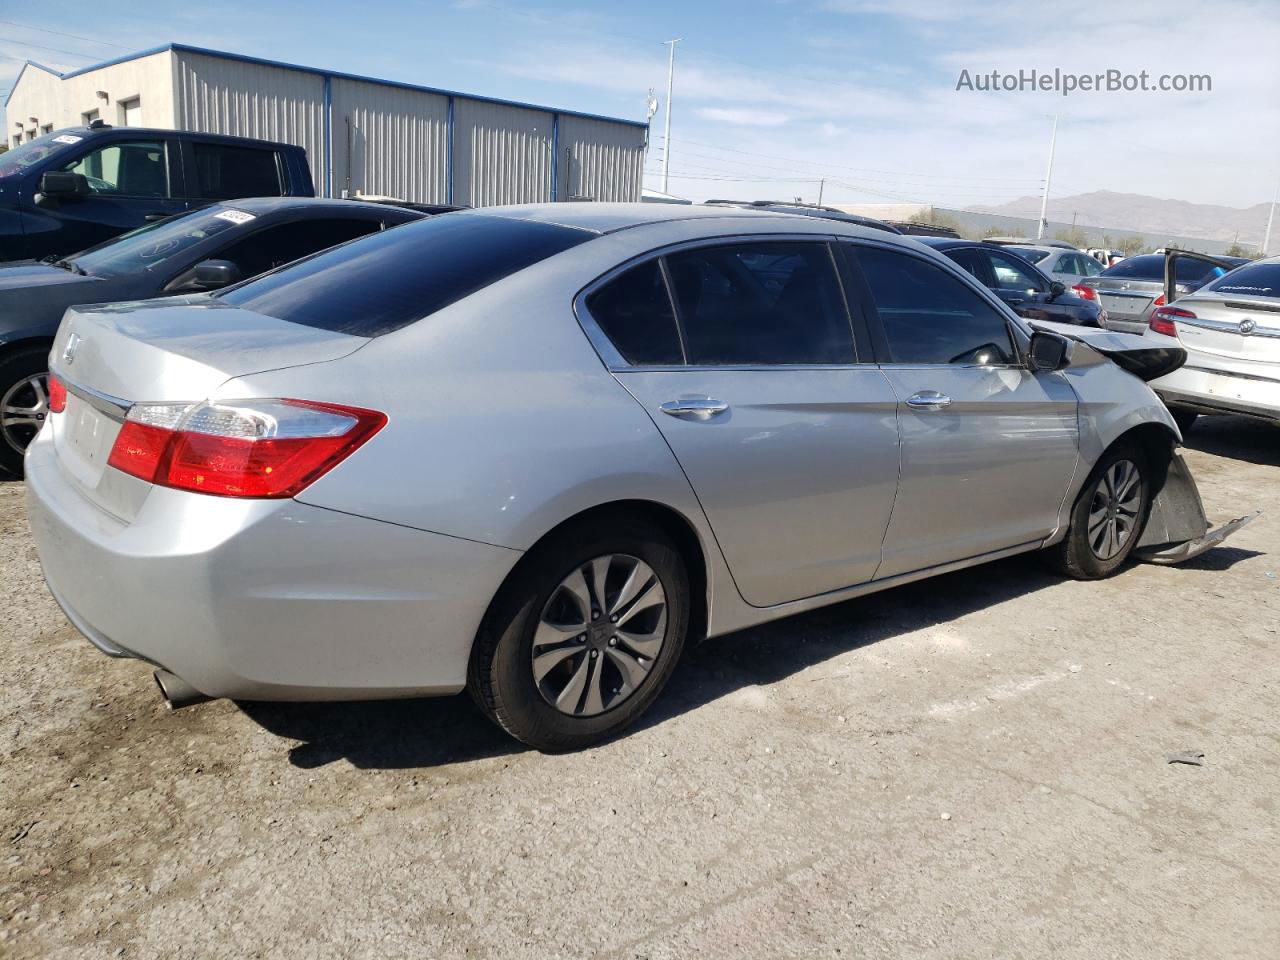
[[71, 189]]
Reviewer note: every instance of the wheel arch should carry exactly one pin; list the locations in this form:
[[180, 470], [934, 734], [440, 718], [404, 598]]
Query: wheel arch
[[670, 521], [9, 347]]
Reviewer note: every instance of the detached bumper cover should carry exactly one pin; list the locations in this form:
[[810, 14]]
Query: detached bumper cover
[[265, 600], [1177, 528]]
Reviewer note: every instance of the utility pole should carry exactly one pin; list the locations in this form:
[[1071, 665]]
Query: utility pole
[[1266, 241], [821, 184], [1048, 177], [666, 137]]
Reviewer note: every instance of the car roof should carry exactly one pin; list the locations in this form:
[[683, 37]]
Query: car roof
[[807, 210], [261, 206], [611, 217], [87, 132]]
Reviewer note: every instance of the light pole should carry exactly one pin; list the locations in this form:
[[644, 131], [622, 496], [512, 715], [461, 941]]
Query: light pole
[[1266, 240], [1044, 201], [666, 136]]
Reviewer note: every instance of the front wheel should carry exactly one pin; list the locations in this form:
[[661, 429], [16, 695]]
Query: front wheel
[[24, 404], [584, 636], [1108, 516]]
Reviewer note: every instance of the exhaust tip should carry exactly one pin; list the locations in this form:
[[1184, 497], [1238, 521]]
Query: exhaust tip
[[177, 692]]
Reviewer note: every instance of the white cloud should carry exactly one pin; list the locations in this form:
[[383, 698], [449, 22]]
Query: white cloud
[[743, 118]]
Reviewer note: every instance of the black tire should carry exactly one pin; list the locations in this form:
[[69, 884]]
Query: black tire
[[1184, 418], [501, 676], [15, 368], [1076, 555]]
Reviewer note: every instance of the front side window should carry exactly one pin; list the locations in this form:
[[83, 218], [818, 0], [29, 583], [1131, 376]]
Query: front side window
[[225, 172], [930, 316], [1012, 275], [134, 168], [275, 246], [773, 302], [634, 312]]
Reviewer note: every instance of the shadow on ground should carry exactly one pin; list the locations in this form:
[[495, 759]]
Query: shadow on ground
[[403, 734], [1237, 438]]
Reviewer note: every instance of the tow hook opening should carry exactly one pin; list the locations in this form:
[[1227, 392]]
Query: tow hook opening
[[177, 692]]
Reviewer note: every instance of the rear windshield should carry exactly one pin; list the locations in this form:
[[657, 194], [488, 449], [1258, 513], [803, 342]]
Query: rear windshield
[[1255, 280], [387, 281], [1029, 253], [1151, 267]]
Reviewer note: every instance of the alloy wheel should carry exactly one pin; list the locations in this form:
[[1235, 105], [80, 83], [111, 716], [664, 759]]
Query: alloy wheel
[[599, 635], [23, 410], [1113, 513]]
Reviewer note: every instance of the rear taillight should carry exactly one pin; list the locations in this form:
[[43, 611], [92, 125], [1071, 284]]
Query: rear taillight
[[240, 448], [1086, 293], [1158, 301], [1162, 320], [57, 395]]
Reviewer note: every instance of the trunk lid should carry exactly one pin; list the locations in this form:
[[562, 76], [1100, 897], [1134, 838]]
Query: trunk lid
[[1125, 299], [113, 356], [1232, 326]]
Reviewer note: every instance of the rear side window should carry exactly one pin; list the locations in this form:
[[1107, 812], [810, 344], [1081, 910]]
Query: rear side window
[[1254, 280], [389, 280], [931, 317], [761, 303], [225, 172], [634, 311]]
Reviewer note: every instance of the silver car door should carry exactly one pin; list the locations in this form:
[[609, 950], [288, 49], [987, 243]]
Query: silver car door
[[988, 447], [790, 444]]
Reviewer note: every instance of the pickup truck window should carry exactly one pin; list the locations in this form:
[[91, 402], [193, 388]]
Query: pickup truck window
[[132, 168], [21, 158], [225, 172]]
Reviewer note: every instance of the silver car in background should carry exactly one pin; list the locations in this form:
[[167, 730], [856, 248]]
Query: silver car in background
[[1230, 329], [1069, 266], [1134, 287], [532, 451]]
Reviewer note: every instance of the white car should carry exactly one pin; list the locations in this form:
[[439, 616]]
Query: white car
[[1067, 266], [1230, 329]]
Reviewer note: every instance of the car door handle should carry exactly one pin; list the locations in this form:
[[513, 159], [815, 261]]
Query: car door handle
[[694, 408], [928, 400]]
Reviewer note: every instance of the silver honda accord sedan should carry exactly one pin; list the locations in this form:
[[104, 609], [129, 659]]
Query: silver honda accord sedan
[[534, 451]]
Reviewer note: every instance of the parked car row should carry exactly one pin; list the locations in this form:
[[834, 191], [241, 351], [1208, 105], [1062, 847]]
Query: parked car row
[[533, 451]]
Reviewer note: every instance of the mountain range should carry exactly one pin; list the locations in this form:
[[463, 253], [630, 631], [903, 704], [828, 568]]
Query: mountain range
[[1134, 211]]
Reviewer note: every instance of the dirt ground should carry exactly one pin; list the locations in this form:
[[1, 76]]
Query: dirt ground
[[973, 766]]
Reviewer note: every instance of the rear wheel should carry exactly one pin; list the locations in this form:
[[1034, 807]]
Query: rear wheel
[[584, 636], [1108, 516], [24, 403]]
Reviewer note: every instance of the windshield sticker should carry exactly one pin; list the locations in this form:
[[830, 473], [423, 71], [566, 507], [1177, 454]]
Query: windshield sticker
[[67, 138], [235, 216]]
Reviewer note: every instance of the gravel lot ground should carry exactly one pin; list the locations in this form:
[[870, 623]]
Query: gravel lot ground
[[969, 767]]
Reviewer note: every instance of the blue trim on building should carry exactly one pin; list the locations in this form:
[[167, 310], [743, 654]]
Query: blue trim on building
[[242, 58], [555, 157], [328, 136], [449, 158]]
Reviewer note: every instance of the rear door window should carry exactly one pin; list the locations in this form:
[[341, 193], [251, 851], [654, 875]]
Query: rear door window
[[391, 279], [930, 316], [228, 172], [761, 303]]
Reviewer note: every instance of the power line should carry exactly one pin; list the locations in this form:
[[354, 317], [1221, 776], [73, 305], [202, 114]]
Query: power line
[[58, 33], [40, 46]]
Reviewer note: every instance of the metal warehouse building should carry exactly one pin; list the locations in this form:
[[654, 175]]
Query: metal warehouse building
[[361, 134]]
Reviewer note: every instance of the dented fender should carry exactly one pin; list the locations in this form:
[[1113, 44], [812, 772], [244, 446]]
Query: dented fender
[[1177, 528]]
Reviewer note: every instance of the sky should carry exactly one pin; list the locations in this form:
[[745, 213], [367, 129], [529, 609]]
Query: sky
[[770, 98]]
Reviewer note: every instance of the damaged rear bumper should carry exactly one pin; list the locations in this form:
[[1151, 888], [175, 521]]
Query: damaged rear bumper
[[1177, 528]]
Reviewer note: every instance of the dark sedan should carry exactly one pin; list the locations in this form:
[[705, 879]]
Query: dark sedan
[[1017, 282], [188, 254]]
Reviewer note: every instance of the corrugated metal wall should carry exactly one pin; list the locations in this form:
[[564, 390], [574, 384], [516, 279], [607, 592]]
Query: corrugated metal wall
[[599, 160], [218, 95], [396, 144], [502, 154]]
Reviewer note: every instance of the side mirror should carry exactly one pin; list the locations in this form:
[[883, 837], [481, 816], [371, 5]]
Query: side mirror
[[1048, 352], [1056, 289], [59, 185], [206, 275]]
